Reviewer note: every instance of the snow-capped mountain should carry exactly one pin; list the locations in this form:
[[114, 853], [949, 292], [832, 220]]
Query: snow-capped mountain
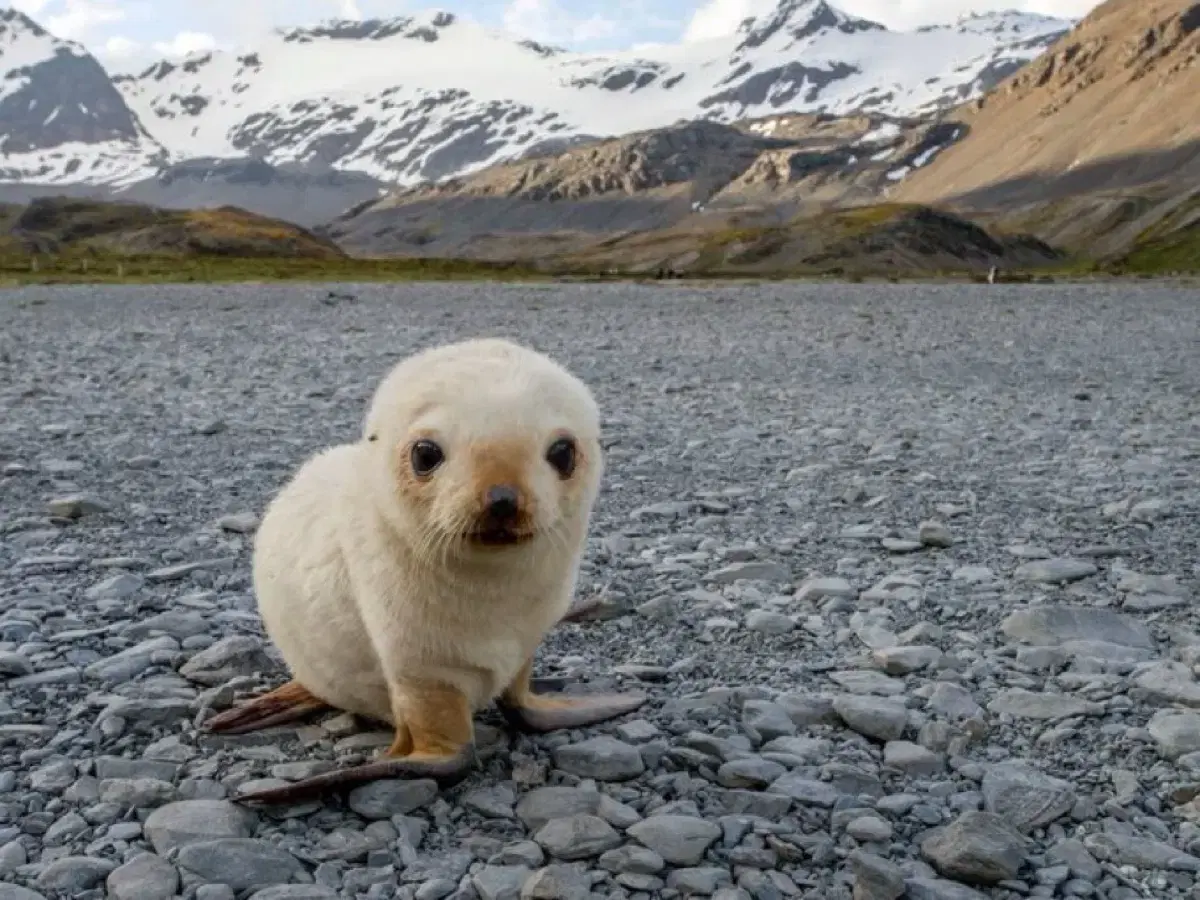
[[61, 118], [434, 95]]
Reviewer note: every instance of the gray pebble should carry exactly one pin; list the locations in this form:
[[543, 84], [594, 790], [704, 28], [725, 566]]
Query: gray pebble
[[603, 758], [977, 848], [1024, 796], [72, 875], [190, 821], [144, 877], [875, 878], [679, 840], [577, 837], [391, 797], [876, 717], [239, 863], [1055, 571]]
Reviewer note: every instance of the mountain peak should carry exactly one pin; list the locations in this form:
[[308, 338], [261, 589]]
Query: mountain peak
[[62, 117], [23, 41], [13, 18], [800, 19], [423, 26], [998, 21]]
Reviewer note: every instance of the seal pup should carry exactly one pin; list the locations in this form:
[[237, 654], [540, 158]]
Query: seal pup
[[409, 577]]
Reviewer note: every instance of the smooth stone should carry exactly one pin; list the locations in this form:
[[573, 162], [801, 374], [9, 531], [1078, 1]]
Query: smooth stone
[[679, 840], [1059, 570]]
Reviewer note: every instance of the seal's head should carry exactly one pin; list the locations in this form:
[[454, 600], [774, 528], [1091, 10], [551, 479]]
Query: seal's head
[[484, 446]]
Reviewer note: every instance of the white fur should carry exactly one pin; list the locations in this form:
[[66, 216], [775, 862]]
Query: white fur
[[344, 588]]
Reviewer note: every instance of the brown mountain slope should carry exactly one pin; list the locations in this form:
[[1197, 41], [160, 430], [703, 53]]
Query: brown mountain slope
[[57, 225], [1114, 104], [646, 180]]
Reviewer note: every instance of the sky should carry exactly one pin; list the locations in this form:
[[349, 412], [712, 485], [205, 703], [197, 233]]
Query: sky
[[127, 35]]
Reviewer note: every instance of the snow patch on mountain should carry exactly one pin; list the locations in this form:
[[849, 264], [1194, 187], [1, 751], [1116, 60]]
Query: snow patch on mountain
[[110, 162], [429, 96], [24, 45], [395, 98], [61, 118]]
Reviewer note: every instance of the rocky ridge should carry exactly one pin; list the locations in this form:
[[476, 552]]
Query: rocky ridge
[[654, 179], [290, 99], [916, 612]]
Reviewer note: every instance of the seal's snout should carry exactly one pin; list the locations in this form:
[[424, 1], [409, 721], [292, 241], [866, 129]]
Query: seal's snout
[[503, 517], [502, 504]]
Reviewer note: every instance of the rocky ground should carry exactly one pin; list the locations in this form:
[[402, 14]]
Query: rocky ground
[[908, 571]]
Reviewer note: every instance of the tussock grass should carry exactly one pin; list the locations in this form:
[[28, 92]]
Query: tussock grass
[[80, 268]]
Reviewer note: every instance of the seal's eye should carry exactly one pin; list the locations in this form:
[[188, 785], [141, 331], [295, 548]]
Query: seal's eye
[[561, 455], [426, 456]]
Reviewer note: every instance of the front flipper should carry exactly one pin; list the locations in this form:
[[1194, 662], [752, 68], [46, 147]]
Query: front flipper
[[289, 702], [551, 712], [435, 738]]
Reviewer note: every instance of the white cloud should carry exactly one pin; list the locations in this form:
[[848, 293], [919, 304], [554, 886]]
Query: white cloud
[[718, 18], [120, 47], [79, 17], [185, 43], [546, 20], [29, 7], [349, 9]]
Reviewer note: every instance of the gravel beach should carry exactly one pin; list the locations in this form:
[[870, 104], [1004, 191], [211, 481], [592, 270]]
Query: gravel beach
[[910, 573]]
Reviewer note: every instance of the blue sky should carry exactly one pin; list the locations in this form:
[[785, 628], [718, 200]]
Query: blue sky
[[127, 34]]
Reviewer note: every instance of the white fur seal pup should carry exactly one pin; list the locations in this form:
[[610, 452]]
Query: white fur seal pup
[[410, 576]]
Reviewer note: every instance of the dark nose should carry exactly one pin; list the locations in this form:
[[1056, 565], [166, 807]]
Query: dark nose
[[502, 503]]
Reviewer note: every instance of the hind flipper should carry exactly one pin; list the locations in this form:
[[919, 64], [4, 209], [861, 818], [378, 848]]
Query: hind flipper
[[435, 738], [531, 711], [287, 703]]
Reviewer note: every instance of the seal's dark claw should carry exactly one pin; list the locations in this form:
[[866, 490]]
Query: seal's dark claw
[[547, 685]]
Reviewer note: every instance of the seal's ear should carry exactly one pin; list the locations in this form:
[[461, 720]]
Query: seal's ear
[[372, 437]]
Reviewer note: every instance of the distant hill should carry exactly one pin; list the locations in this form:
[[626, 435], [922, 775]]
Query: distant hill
[[299, 194], [647, 180], [1095, 144], [57, 225], [877, 240]]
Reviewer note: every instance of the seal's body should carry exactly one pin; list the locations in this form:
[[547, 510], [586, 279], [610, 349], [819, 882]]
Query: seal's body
[[351, 606], [410, 576]]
